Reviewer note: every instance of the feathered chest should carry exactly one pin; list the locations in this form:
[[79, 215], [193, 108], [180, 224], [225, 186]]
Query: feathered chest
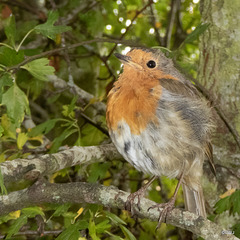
[[136, 106]]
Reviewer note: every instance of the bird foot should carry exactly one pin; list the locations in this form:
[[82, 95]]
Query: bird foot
[[129, 205], [164, 209]]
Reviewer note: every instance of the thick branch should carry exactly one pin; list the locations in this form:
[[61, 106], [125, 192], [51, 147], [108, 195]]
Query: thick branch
[[44, 192], [31, 169]]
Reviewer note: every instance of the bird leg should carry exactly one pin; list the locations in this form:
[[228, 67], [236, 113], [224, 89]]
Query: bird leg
[[139, 194], [167, 207]]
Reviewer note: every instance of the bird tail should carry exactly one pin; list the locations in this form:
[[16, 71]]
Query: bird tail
[[194, 200]]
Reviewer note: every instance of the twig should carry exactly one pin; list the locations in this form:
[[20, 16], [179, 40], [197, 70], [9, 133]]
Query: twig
[[236, 175], [104, 60], [35, 233], [39, 109], [85, 97], [54, 51], [172, 15], [127, 28], [99, 127], [153, 21]]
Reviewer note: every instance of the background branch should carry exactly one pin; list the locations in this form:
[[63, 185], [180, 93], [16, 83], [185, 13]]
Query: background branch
[[172, 16], [75, 45], [85, 97], [159, 39]]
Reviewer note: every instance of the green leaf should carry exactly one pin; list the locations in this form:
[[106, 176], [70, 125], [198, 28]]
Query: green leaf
[[10, 30], [39, 68], [72, 232], [15, 227], [8, 126], [48, 29], [236, 230], [17, 104], [60, 210], [32, 212], [5, 80], [92, 136], [127, 233], [200, 29], [114, 218], [1, 130], [92, 229], [114, 237], [2, 186], [98, 171], [43, 128], [68, 110], [231, 203], [21, 140], [58, 141], [10, 57], [103, 226], [222, 205], [235, 202]]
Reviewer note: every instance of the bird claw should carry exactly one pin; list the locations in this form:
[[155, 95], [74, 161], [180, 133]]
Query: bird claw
[[166, 208], [129, 205]]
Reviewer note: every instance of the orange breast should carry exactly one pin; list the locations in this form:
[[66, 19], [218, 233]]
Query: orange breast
[[134, 102]]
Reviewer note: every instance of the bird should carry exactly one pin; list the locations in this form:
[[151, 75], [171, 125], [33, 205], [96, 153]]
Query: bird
[[161, 125]]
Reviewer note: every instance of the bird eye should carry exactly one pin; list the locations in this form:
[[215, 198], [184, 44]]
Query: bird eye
[[151, 64]]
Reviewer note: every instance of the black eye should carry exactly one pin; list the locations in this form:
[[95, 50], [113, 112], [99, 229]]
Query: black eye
[[151, 64]]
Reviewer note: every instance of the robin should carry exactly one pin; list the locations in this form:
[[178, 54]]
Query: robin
[[161, 125]]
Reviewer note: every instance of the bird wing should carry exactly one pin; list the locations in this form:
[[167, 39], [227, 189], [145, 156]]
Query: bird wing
[[187, 90], [178, 87]]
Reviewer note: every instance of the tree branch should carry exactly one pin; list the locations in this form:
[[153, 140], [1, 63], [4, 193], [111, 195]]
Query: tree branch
[[81, 192], [31, 169], [85, 96], [153, 23], [172, 15], [57, 50]]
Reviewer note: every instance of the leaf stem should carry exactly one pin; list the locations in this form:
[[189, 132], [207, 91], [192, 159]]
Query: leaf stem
[[6, 45], [20, 44]]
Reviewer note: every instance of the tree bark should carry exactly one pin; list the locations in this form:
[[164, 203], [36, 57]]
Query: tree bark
[[219, 73], [79, 192]]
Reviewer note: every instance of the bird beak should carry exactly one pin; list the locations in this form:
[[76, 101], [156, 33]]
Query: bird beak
[[127, 60]]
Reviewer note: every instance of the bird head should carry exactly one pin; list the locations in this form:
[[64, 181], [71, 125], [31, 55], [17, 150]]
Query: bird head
[[151, 62]]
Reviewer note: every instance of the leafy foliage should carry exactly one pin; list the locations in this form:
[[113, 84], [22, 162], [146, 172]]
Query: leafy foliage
[[16, 103], [230, 203], [39, 69], [48, 29]]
